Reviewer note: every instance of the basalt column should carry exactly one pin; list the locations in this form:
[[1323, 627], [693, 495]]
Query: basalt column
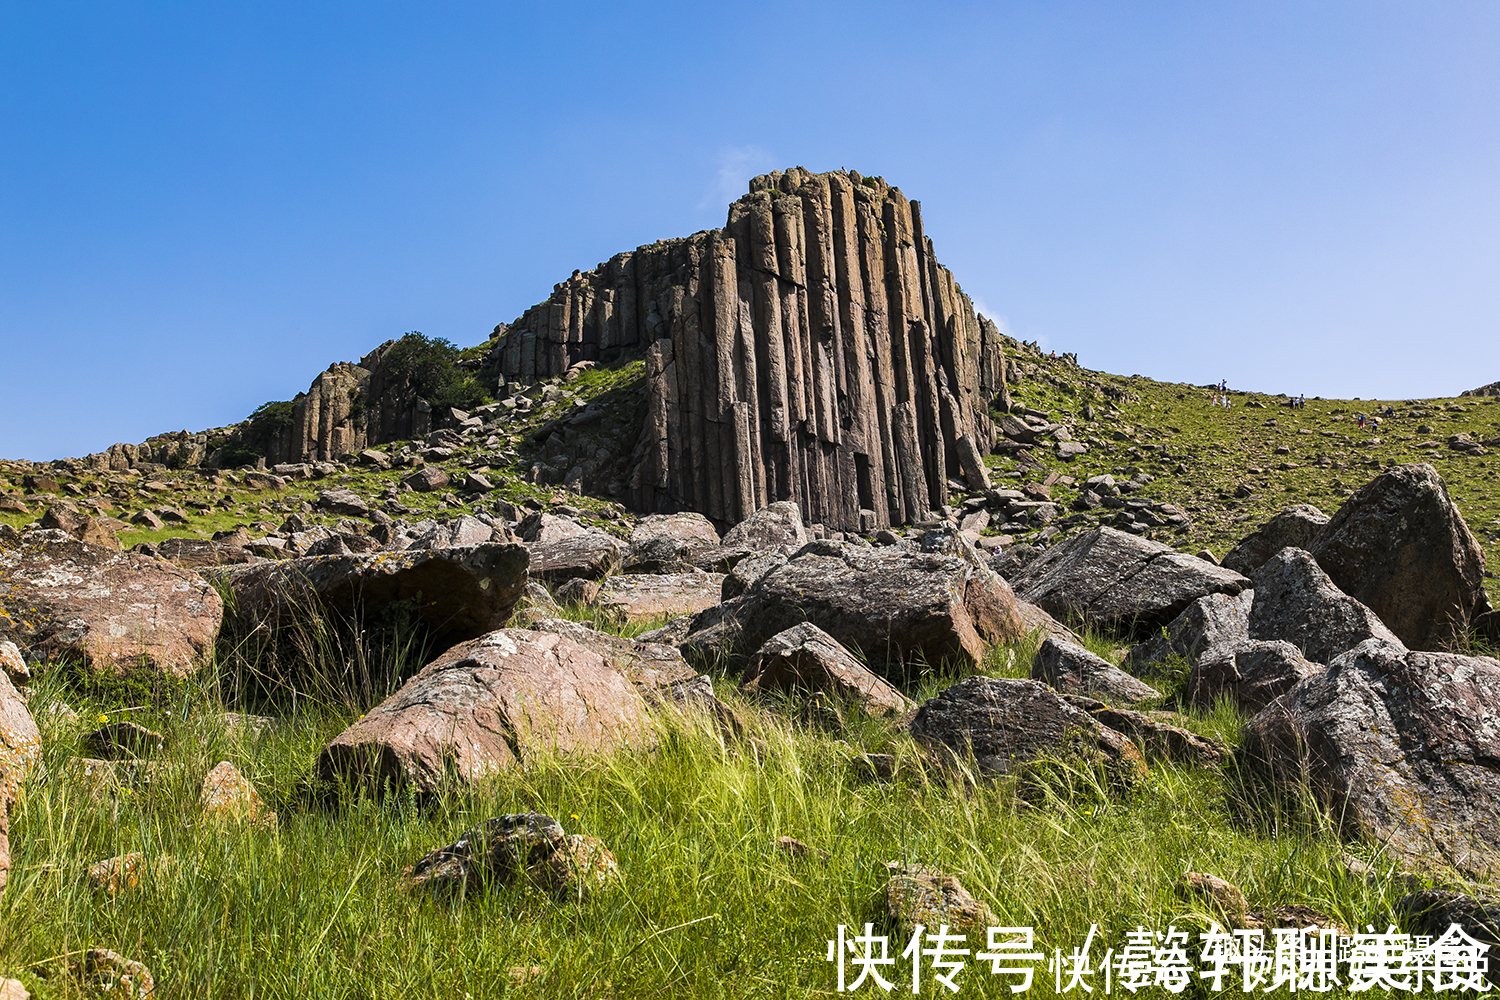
[[812, 350]]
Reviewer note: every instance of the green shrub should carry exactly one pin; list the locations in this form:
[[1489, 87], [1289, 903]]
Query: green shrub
[[430, 366]]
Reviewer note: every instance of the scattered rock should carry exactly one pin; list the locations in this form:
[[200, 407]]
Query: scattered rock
[[427, 479], [505, 848], [228, 795], [588, 554], [1119, 581], [466, 590], [578, 591], [806, 657], [1295, 527], [651, 666], [920, 894], [540, 526], [111, 974], [114, 611], [576, 867], [635, 597], [664, 543], [12, 663], [343, 501], [1161, 740], [1295, 601], [1251, 674], [1212, 620], [127, 872], [774, 528], [1432, 911], [191, 553], [1394, 744], [122, 741], [1071, 668], [1224, 898], [485, 706], [11, 989], [1402, 549], [748, 572], [1005, 723]]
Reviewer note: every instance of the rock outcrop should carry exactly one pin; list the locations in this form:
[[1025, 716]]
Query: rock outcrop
[[62, 598], [1072, 669], [1296, 602], [1395, 744], [812, 350], [1117, 580], [484, 706], [807, 658], [1402, 549], [1296, 526]]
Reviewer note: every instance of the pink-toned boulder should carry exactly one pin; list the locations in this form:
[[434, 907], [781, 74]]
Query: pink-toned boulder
[[806, 657], [636, 597], [65, 599], [20, 748], [486, 706]]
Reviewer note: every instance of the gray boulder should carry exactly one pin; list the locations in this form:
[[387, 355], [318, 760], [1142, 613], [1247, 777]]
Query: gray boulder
[[1395, 744], [1074, 670], [1004, 723], [587, 554], [774, 528], [665, 543], [465, 590], [1295, 601], [1117, 580], [1295, 527], [486, 706], [1432, 911], [637, 597], [1251, 674], [1400, 547], [808, 658], [748, 572], [1213, 620]]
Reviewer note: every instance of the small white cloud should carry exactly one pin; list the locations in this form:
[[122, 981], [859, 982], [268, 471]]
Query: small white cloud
[[737, 164]]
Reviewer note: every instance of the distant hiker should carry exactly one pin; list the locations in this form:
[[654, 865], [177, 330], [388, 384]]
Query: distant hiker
[[1216, 399], [1360, 419], [1302, 401]]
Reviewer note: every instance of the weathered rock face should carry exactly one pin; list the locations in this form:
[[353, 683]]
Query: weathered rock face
[[1004, 723], [776, 527], [587, 554], [1118, 580], [20, 749], [1401, 548], [806, 657], [1295, 526], [1251, 674], [1071, 669], [635, 597], [488, 705], [1396, 744], [664, 543], [812, 350], [60, 597], [895, 607], [1295, 601], [651, 666], [465, 590], [1209, 621], [326, 422]]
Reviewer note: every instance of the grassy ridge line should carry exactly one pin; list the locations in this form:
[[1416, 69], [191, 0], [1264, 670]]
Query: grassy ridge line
[[1200, 454], [311, 908]]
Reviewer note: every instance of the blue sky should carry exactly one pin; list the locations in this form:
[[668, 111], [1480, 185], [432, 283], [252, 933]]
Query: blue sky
[[203, 205]]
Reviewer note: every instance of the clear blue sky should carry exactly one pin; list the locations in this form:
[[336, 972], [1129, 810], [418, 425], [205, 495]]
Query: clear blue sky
[[202, 205]]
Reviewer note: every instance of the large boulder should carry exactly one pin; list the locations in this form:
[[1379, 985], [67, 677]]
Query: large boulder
[[486, 706], [651, 666], [665, 543], [1296, 527], [1401, 548], [587, 554], [1251, 674], [1295, 601], [1004, 723], [637, 597], [1213, 620], [192, 553], [808, 658], [1074, 670], [1117, 580], [1395, 744], [65, 599], [20, 749], [460, 591], [774, 528], [895, 607]]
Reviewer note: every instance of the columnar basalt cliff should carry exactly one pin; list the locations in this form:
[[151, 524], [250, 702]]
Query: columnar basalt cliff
[[812, 350]]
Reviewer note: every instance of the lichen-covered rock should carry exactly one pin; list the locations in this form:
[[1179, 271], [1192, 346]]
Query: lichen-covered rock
[[1073, 669], [665, 543], [920, 894], [493, 853], [1400, 547], [61, 598], [1161, 739], [1225, 898], [12, 663], [1433, 911], [1117, 580], [1212, 620], [748, 572], [110, 974], [649, 665], [808, 658], [588, 554], [775, 527], [1251, 674], [459, 591], [485, 706], [1296, 602], [129, 872], [1296, 527], [1004, 724], [1394, 744], [228, 795], [574, 869], [635, 597]]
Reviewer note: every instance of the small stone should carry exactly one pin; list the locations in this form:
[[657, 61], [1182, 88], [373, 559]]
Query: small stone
[[228, 795], [1213, 891], [127, 871], [111, 974], [796, 850], [919, 894]]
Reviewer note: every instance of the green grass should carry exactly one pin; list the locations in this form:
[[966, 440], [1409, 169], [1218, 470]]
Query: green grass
[[707, 908]]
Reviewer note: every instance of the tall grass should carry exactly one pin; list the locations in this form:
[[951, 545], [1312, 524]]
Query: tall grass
[[708, 906]]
